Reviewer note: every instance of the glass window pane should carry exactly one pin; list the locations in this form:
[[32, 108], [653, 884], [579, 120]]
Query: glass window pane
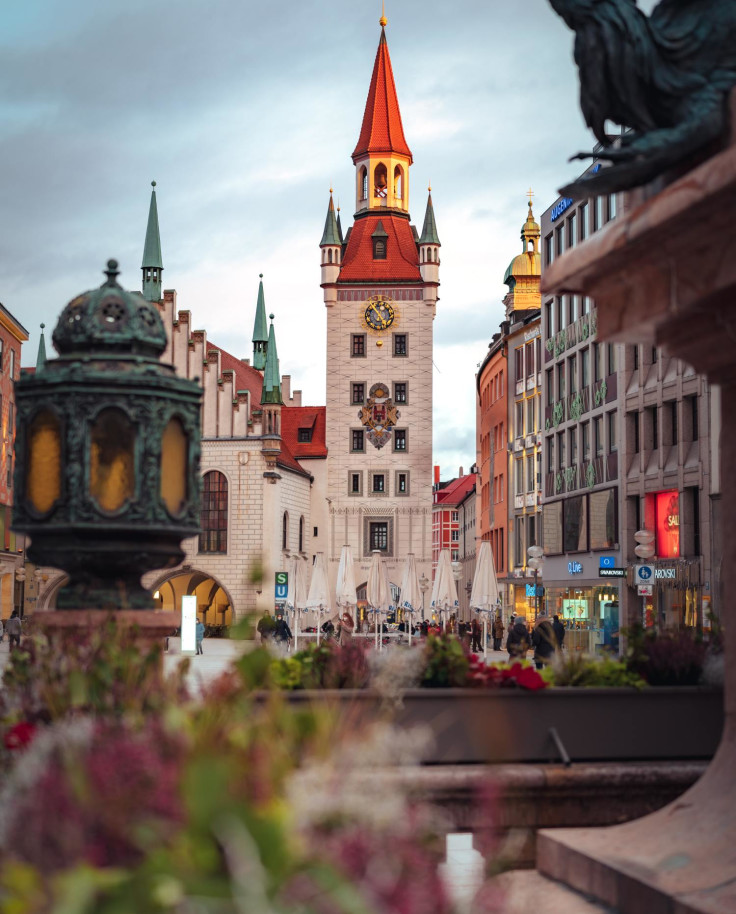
[[112, 460], [43, 482]]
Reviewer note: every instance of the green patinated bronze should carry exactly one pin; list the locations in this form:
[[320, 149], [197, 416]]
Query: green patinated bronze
[[109, 343], [665, 77]]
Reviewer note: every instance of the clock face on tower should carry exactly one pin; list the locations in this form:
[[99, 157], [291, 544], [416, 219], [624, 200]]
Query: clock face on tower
[[380, 312]]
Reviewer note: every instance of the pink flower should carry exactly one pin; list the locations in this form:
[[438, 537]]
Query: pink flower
[[19, 736]]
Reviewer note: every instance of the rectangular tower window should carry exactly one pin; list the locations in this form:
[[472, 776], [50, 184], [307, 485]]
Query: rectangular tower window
[[586, 441], [358, 440], [400, 347], [304, 435], [402, 483], [399, 439], [358, 345], [585, 367], [598, 435], [357, 392], [400, 388], [379, 536], [612, 436], [379, 483], [356, 483]]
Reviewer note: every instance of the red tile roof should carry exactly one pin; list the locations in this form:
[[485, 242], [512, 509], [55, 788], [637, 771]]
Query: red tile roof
[[295, 417], [455, 491], [382, 130], [246, 376], [402, 257]]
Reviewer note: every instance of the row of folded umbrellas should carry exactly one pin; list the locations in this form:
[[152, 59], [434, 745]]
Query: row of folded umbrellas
[[484, 595]]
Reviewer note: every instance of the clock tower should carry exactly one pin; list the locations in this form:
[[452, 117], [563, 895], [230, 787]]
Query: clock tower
[[380, 286]]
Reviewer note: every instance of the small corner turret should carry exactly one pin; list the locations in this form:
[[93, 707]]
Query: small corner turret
[[271, 404], [260, 330], [152, 265], [330, 252], [429, 246]]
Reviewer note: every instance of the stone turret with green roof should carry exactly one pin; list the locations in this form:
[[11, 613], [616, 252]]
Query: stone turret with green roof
[[260, 330], [152, 265], [271, 391], [331, 245], [429, 245]]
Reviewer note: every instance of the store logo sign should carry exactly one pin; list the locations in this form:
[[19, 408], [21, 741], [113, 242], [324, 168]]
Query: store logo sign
[[662, 573], [559, 208], [575, 567]]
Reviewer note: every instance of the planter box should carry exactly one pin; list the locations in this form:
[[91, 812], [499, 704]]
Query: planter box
[[510, 725]]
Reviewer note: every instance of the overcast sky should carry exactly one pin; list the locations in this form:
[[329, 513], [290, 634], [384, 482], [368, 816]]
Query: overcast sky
[[245, 114]]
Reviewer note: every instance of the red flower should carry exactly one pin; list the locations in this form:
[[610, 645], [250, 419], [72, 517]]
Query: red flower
[[20, 735], [527, 678]]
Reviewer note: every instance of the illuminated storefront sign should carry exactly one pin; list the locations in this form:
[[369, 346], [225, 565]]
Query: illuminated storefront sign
[[574, 568], [667, 523], [559, 208]]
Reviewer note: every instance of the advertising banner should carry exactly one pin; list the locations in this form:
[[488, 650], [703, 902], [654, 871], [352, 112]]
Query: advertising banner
[[667, 523], [189, 625]]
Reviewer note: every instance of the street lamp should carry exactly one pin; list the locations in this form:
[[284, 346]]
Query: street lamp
[[424, 587], [535, 561], [108, 438]]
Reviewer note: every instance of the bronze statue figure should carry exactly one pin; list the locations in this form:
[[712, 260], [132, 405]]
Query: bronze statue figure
[[665, 77]]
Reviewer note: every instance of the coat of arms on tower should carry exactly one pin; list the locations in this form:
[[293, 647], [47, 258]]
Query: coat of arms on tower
[[379, 415]]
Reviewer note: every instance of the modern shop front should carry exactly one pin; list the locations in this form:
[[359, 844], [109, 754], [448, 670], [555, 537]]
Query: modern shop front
[[585, 592]]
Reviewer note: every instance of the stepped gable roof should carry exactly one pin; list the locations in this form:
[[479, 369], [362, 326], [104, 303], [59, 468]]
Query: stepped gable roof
[[246, 376], [382, 130], [455, 491], [313, 417], [402, 258]]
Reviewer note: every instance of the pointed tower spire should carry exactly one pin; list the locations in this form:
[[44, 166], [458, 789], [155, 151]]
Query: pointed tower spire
[[152, 265], [271, 392], [339, 224], [331, 234], [382, 130], [41, 357], [429, 230], [260, 330]]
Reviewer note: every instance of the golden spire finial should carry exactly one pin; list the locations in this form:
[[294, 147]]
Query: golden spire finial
[[330, 190], [382, 21], [429, 187], [530, 194]]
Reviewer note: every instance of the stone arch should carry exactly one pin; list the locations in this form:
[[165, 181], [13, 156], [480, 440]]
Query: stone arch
[[214, 602]]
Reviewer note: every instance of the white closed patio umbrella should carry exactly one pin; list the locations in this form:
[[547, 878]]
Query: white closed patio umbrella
[[318, 599], [296, 596], [378, 590], [484, 595], [346, 594], [411, 595], [444, 591]]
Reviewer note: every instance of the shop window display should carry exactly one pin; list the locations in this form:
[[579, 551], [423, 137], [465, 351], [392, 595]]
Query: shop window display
[[575, 538]]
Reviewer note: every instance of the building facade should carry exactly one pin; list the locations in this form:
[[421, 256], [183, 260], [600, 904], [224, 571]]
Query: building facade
[[628, 446], [13, 591], [380, 284]]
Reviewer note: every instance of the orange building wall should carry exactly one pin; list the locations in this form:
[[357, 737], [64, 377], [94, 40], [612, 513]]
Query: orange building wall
[[492, 518]]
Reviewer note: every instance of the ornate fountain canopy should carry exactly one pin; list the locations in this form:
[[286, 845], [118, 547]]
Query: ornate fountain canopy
[[110, 320]]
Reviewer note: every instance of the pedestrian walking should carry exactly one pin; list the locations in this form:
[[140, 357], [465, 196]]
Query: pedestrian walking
[[345, 628], [476, 636], [282, 634], [517, 642], [265, 627], [544, 642], [199, 635], [13, 629], [497, 633], [559, 630]]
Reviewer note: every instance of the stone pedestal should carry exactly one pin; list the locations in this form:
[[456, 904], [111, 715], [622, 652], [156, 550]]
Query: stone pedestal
[[665, 274], [153, 626]]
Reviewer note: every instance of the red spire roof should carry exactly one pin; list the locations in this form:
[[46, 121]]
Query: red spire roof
[[382, 130]]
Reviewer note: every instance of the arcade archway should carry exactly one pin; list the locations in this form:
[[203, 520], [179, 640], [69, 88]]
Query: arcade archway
[[214, 606]]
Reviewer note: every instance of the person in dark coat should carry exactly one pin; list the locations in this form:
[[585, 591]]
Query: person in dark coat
[[517, 642], [544, 642], [497, 633], [477, 634], [559, 630]]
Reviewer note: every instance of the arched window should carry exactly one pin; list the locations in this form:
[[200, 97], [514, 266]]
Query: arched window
[[285, 530], [301, 534], [364, 183], [213, 513], [329, 256], [398, 184]]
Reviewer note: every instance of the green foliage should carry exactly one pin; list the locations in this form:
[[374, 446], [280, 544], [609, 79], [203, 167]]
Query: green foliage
[[108, 671], [326, 665], [575, 669], [668, 658], [446, 663]]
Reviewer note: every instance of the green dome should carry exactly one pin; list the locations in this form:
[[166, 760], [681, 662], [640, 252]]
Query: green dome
[[110, 319]]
